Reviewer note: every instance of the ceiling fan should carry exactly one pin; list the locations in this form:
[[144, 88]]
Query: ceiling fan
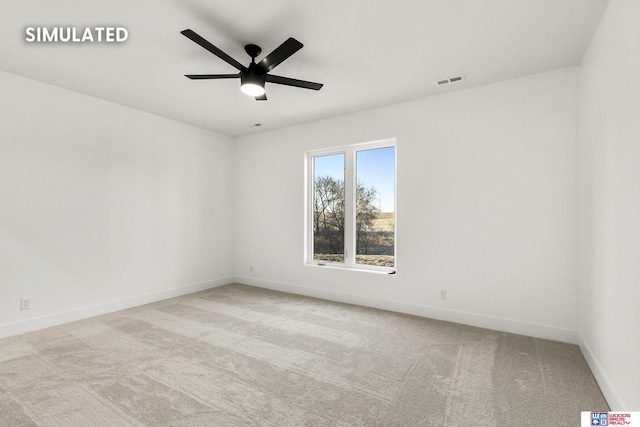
[[254, 76]]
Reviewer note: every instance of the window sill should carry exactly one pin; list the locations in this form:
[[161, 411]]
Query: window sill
[[334, 266]]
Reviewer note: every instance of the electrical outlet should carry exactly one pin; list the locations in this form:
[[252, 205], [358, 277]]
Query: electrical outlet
[[443, 294], [25, 303]]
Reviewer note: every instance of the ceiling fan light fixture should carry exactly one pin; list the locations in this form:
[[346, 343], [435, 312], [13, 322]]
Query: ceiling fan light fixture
[[252, 83], [252, 89]]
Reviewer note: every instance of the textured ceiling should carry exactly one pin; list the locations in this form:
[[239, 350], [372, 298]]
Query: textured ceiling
[[367, 53]]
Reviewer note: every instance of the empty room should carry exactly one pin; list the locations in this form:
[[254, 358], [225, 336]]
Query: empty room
[[336, 213]]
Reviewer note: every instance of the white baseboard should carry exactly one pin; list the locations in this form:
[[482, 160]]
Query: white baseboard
[[481, 321], [614, 401], [28, 325]]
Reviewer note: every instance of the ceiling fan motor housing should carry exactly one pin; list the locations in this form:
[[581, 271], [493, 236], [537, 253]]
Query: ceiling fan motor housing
[[253, 75]]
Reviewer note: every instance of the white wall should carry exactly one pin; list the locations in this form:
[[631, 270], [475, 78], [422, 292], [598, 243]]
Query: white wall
[[103, 207], [610, 205], [487, 206]]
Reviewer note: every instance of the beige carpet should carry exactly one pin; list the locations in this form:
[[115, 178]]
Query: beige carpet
[[243, 356]]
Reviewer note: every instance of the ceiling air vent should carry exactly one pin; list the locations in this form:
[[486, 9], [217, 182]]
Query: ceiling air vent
[[449, 80]]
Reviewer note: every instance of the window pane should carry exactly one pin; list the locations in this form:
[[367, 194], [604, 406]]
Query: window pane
[[328, 208], [375, 206]]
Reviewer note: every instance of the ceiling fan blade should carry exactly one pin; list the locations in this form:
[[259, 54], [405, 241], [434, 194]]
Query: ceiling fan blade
[[282, 52], [293, 82], [212, 76], [261, 97], [211, 48]]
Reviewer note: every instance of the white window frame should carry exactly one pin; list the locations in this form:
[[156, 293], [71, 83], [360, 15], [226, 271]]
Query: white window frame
[[349, 152]]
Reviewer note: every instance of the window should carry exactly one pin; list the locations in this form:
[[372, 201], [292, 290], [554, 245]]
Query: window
[[351, 206]]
